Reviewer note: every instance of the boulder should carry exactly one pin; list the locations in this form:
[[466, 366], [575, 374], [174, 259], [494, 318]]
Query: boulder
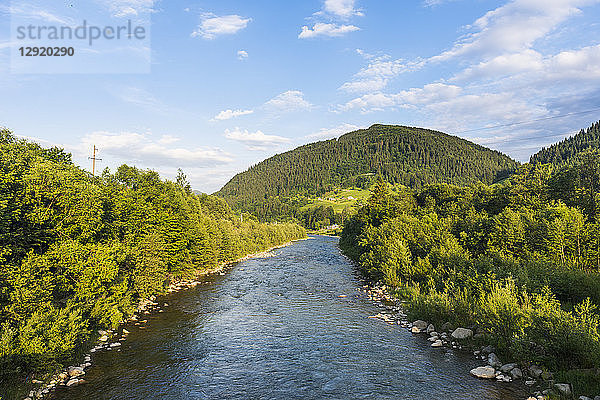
[[75, 371], [422, 325], [508, 367], [462, 334], [103, 338], [516, 373], [415, 329], [535, 371], [430, 328], [437, 343], [564, 389], [486, 372], [72, 382], [494, 361], [584, 398]]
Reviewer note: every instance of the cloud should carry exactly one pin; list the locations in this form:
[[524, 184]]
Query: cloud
[[292, 100], [255, 140], [141, 98], [430, 93], [129, 8], [141, 148], [229, 114], [341, 8], [377, 74], [330, 133], [513, 27], [242, 55], [323, 29], [212, 26]]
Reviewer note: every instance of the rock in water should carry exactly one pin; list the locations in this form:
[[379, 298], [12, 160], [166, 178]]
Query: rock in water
[[508, 367], [76, 371], [486, 372], [494, 361], [462, 333], [430, 328], [422, 325], [437, 343]]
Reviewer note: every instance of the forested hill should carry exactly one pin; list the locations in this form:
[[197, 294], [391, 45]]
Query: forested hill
[[410, 156], [570, 149]]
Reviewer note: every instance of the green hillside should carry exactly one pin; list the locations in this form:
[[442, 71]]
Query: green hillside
[[410, 156], [570, 149]]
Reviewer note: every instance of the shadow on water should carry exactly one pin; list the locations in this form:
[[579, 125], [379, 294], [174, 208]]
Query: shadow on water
[[276, 328]]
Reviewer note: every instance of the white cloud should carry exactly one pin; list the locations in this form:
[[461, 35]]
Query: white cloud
[[229, 114], [513, 27], [141, 148], [323, 29], [129, 8], [242, 55], [255, 140], [212, 26], [330, 133], [378, 73], [291, 100], [341, 8], [430, 93]]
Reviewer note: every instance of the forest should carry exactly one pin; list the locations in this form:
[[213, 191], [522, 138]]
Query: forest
[[518, 261], [79, 252], [414, 157]]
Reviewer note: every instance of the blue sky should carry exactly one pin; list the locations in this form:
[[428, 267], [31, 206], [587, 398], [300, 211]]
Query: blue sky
[[233, 82]]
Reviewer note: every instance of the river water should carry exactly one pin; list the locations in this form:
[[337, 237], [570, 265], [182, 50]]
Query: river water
[[277, 328]]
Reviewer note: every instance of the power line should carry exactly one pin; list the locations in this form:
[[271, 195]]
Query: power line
[[527, 122]]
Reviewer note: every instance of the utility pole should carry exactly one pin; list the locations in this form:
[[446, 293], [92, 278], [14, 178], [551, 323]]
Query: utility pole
[[93, 158]]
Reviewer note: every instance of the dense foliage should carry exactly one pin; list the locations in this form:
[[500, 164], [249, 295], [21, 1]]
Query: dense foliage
[[77, 253], [570, 149], [519, 261], [413, 157]]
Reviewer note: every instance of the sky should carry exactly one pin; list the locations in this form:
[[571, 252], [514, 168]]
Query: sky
[[217, 86]]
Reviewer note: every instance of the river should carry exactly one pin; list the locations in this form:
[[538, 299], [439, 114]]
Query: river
[[277, 328]]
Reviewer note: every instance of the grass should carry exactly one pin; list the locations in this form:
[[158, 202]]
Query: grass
[[340, 199]]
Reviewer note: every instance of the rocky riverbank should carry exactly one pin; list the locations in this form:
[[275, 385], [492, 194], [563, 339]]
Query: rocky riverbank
[[540, 382], [111, 340]]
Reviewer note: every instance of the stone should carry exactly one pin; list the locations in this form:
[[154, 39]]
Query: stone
[[462, 334], [422, 325], [487, 372], [535, 371], [530, 383], [432, 338], [72, 382], [75, 371], [434, 333], [415, 329], [37, 382], [116, 344], [564, 389], [125, 332], [430, 328], [508, 367], [516, 373], [597, 398], [103, 338], [584, 398], [494, 361], [437, 343]]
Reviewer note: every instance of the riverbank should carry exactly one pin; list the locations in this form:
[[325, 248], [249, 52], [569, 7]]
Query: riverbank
[[540, 382], [112, 339]]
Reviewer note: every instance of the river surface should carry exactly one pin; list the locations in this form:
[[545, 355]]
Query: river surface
[[276, 328]]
